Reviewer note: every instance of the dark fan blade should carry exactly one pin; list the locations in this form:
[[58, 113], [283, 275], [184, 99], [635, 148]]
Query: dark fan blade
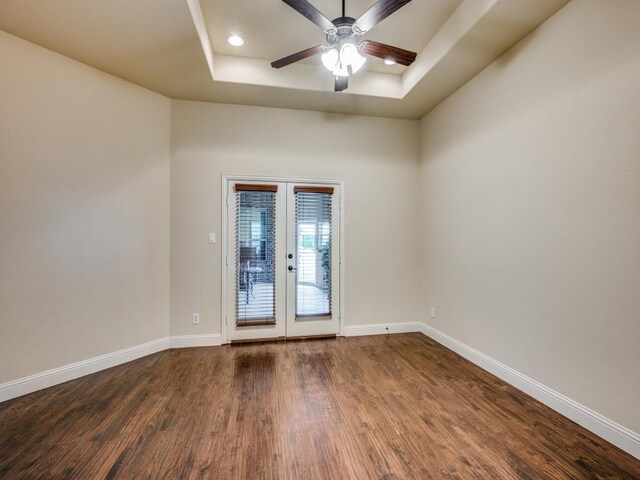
[[296, 57], [341, 84], [378, 12], [312, 13], [388, 52]]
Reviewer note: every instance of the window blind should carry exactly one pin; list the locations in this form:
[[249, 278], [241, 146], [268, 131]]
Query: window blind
[[313, 250], [255, 254]]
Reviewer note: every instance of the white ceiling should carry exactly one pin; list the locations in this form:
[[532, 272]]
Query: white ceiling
[[178, 48]]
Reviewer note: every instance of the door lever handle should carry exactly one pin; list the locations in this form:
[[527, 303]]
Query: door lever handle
[[291, 268]]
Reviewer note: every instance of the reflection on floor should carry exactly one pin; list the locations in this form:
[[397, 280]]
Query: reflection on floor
[[311, 300]]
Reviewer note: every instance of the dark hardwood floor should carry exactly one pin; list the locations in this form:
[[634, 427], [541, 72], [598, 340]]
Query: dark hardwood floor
[[384, 407]]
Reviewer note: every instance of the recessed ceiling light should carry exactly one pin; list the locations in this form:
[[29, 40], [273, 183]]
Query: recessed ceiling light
[[235, 40], [388, 61]]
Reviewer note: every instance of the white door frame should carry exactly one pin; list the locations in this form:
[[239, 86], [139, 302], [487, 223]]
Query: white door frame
[[226, 179]]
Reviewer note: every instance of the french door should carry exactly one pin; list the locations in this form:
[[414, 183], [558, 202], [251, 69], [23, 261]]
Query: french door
[[283, 259]]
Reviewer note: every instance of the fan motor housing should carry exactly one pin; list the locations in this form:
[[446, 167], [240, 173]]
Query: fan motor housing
[[344, 29]]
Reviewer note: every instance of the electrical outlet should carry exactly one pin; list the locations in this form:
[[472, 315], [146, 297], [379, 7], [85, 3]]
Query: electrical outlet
[[195, 319], [433, 312]]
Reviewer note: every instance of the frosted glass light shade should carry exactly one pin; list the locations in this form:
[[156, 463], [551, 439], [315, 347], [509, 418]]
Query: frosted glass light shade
[[330, 59], [341, 71], [350, 57]]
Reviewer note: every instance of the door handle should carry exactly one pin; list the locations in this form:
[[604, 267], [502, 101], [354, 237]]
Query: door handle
[[291, 268]]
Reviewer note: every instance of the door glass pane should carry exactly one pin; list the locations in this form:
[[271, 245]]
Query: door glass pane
[[255, 257], [313, 254]]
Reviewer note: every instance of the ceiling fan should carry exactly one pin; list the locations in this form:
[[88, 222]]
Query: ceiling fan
[[343, 54]]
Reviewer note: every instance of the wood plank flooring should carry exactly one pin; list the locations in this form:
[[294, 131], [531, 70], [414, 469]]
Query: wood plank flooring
[[385, 407]]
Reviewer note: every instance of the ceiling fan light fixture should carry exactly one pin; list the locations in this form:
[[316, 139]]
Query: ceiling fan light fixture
[[341, 63], [235, 40]]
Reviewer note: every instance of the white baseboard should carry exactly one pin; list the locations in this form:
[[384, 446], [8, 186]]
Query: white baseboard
[[207, 340], [56, 376], [382, 328], [49, 378], [620, 436]]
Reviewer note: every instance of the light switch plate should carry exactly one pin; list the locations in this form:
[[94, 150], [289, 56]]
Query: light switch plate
[[212, 238]]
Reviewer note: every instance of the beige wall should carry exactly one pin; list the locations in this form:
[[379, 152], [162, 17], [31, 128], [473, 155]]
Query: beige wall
[[378, 160], [84, 211], [523, 208], [530, 195]]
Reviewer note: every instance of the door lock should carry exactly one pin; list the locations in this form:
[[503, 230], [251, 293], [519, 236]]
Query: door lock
[[291, 268]]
